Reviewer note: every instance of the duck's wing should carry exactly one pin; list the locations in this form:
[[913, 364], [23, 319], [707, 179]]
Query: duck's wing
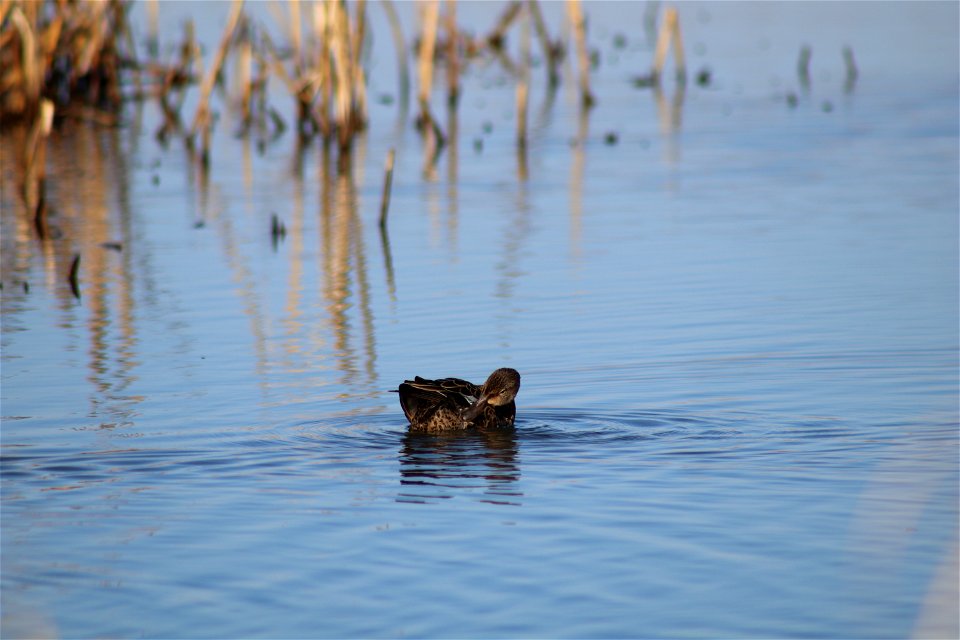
[[420, 397]]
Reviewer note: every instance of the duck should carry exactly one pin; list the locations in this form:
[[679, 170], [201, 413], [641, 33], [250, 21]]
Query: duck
[[449, 404]]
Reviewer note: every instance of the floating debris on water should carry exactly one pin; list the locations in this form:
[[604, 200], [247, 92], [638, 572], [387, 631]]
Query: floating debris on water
[[703, 77]]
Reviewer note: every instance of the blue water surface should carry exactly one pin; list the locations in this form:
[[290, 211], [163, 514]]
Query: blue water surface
[[736, 320]]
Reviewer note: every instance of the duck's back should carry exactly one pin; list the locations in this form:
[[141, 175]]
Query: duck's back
[[437, 404]]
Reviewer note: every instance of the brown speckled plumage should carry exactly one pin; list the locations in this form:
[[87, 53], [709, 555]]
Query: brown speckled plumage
[[449, 404]]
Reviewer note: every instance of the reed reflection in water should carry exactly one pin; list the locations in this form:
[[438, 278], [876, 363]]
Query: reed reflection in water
[[140, 274], [89, 214], [721, 405]]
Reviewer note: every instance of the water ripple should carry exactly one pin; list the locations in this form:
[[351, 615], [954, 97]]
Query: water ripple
[[455, 460]]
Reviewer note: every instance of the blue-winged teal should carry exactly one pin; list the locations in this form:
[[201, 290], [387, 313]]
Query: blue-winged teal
[[451, 403]]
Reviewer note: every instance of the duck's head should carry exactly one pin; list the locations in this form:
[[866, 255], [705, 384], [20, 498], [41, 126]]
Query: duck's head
[[500, 388]]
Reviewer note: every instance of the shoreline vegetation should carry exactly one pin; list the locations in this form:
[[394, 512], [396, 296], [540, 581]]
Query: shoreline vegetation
[[65, 60]]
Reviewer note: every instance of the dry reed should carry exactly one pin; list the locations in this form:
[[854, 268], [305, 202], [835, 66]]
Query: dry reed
[[523, 82], [669, 34], [453, 56], [578, 23], [323, 71], [70, 55], [401, 50], [34, 165], [552, 52], [497, 37], [428, 40], [202, 119]]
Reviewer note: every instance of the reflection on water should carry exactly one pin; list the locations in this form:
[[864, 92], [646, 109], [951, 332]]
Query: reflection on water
[[91, 213], [441, 466], [88, 213], [670, 115], [737, 328]]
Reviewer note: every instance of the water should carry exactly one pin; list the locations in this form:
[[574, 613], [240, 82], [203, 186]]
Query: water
[[737, 329]]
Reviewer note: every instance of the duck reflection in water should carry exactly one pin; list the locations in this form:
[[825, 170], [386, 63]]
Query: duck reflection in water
[[435, 466], [460, 433]]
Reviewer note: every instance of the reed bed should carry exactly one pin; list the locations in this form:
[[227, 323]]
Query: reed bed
[[58, 61], [69, 53], [61, 59]]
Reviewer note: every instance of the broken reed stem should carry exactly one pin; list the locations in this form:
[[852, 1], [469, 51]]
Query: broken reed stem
[[669, 33], [349, 89], [387, 185], [358, 115], [34, 163], [428, 40], [523, 90], [549, 53], [497, 36], [202, 119], [29, 62], [296, 42], [153, 30], [244, 74], [343, 72], [579, 25], [453, 61], [523, 84], [322, 32], [660, 54], [678, 57], [400, 44], [131, 50]]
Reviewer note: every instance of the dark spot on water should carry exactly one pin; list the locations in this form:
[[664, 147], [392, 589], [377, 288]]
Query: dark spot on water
[[703, 77], [611, 138], [644, 81]]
